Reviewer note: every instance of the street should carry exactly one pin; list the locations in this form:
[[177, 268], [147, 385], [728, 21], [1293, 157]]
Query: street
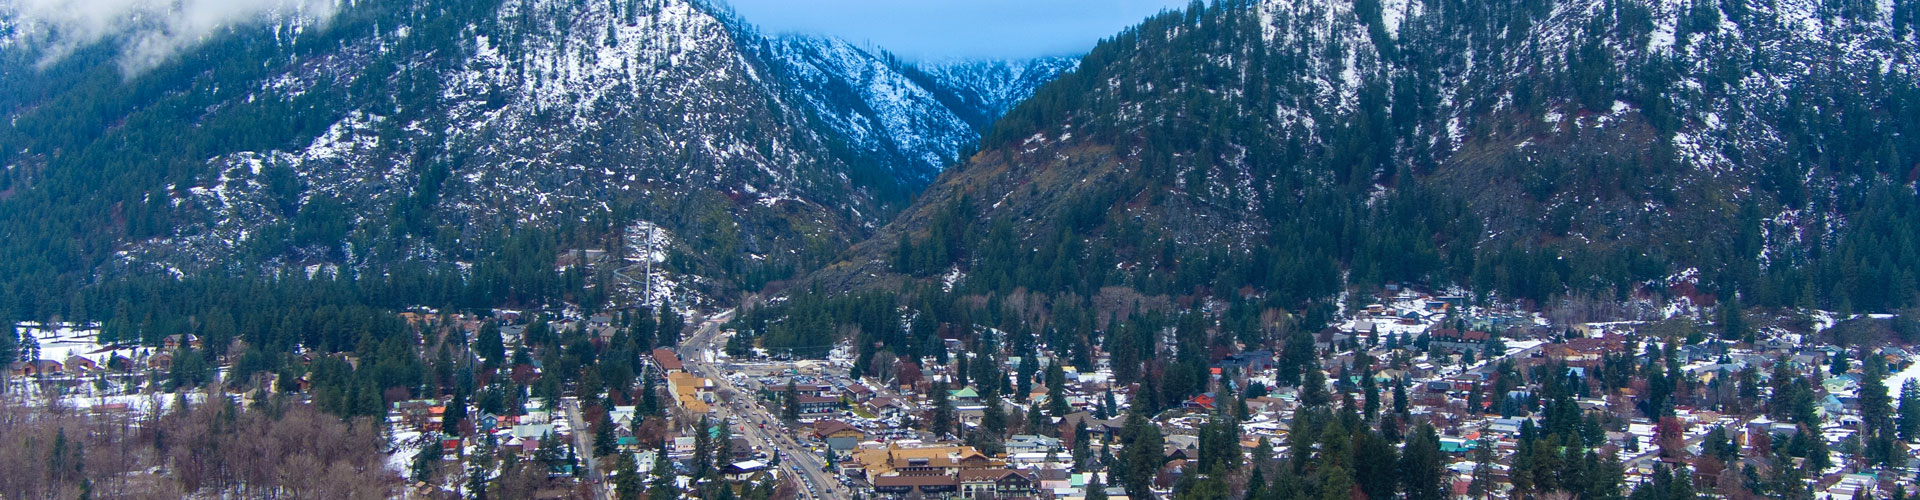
[[795, 459], [585, 450]]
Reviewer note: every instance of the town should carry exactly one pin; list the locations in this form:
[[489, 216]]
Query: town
[[1430, 396]]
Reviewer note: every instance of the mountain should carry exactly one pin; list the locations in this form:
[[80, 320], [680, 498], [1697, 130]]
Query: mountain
[[917, 120], [1524, 149], [429, 135]]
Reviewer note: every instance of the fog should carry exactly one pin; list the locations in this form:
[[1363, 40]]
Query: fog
[[147, 31]]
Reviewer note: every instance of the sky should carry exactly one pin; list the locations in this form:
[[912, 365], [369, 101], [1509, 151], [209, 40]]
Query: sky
[[932, 30]]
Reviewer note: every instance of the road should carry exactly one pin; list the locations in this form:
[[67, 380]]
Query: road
[[797, 460], [585, 450]]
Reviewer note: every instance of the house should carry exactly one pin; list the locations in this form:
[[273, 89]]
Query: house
[[1458, 340], [742, 469], [887, 406], [80, 365], [1247, 362], [683, 447], [162, 361], [839, 436], [916, 486], [995, 483], [694, 394], [860, 393], [1200, 402], [37, 368], [667, 360], [1030, 443], [965, 396], [817, 405], [895, 460], [173, 342]]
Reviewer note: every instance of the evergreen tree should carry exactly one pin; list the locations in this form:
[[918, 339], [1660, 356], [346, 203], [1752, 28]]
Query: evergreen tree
[[1096, 490], [703, 449], [662, 487], [1081, 449], [942, 419], [1733, 324], [649, 395], [605, 442], [1400, 397], [476, 481], [426, 461], [1839, 364], [489, 345], [1422, 473], [1143, 455], [9, 346], [1876, 407], [1909, 424], [1057, 406], [1481, 486], [456, 414], [627, 483], [993, 418], [1313, 386], [790, 402], [1023, 381]]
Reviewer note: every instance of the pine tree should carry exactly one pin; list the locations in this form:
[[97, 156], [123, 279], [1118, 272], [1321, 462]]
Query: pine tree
[[489, 344], [1081, 449], [942, 421], [9, 348], [993, 418], [605, 442], [426, 461], [1313, 386], [703, 449], [1909, 425], [1840, 364], [476, 482], [1876, 409], [1400, 397], [662, 487], [626, 480], [1481, 485], [1422, 476], [1096, 490], [1733, 324], [1023, 383], [1143, 455], [1057, 406], [790, 399]]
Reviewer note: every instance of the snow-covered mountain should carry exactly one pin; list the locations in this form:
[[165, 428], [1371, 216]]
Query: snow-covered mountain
[[919, 118], [1524, 147], [415, 129]]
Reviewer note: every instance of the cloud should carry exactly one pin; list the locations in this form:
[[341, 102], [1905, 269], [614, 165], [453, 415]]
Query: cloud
[[147, 31], [957, 29]]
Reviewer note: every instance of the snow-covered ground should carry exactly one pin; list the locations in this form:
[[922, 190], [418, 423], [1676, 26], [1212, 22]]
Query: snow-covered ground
[[1897, 380], [60, 341]]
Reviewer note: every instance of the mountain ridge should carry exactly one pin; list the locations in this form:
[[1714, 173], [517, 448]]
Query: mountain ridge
[[1529, 149], [421, 133]]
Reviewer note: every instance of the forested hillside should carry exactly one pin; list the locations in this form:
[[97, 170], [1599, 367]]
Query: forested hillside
[[1531, 150], [425, 138]]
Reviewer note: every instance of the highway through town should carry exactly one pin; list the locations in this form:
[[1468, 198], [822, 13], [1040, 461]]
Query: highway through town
[[763, 429]]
